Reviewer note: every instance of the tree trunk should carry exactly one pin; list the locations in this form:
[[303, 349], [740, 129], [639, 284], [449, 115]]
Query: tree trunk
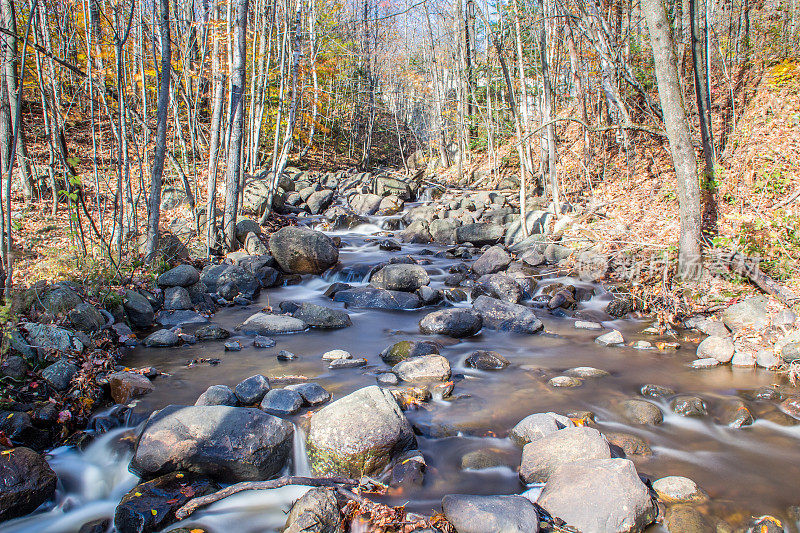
[[680, 141], [234, 169], [161, 134], [214, 144]]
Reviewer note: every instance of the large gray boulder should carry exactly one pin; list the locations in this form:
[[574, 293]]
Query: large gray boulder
[[506, 316], [27, 482], [242, 279], [229, 444], [317, 510], [374, 298], [52, 337], [180, 276], [479, 233], [493, 260], [423, 368], [417, 232], [138, 309], [359, 434], [318, 316], [319, 201], [499, 286], [599, 496], [270, 324], [481, 514], [719, 348], [365, 204], [541, 457], [404, 349], [752, 312], [400, 277], [300, 250], [59, 299], [456, 322], [443, 230], [86, 317], [537, 223]]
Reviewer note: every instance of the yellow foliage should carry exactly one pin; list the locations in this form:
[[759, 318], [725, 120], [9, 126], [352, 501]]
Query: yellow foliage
[[783, 73]]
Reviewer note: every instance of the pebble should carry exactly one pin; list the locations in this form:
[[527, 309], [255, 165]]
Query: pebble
[[585, 324], [233, 346], [334, 355], [642, 345], [387, 379], [565, 381], [612, 338], [263, 342], [677, 489], [347, 363]]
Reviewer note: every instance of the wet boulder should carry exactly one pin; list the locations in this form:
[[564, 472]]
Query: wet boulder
[[443, 230], [486, 360], [151, 506], [493, 260], [210, 275], [317, 510], [318, 316], [538, 425], [595, 495], [26, 482], [686, 405], [271, 324], [163, 338], [211, 332], [374, 298], [60, 374], [365, 204], [138, 309], [252, 389], [177, 298], [18, 427], [404, 349], [506, 316], [423, 368], [641, 412], [126, 386], [319, 201], [359, 434], [498, 286], [479, 514], [180, 276], [281, 402], [719, 348], [300, 250], [229, 444], [542, 457], [217, 395], [417, 232], [400, 277], [244, 281], [455, 322]]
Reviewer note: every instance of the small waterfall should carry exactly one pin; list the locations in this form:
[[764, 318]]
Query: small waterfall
[[300, 458]]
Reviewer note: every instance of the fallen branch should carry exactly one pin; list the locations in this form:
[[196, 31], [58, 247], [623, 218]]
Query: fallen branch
[[201, 501], [749, 268]]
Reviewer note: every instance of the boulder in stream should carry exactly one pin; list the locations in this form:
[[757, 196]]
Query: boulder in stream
[[456, 322], [271, 324], [541, 457], [300, 250], [423, 368], [27, 481], [400, 277], [374, 298], [506, 316], [479, 514]]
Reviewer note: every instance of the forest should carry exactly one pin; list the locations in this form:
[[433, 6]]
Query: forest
[[399, 265]]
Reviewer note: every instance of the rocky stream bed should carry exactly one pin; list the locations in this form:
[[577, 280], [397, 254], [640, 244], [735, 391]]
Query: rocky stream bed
[[412, 339]]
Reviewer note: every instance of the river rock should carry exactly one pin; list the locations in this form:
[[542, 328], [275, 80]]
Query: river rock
[[52, 337], [263, 342], [707, 362], [599, 495], [365, 204], [493, 260], [542, 457], [629, 445], [246, 226], [163, 338], [281, 402], [317, 510], [656, 391], [423, 368], [358, 434], [211, 332], [318, 316], [151, 506], [60, 299], [538, 425], [14, 367], [587, 372], [171, 319], [312, 393], [27, 481], [479, 233], [565, 381], [138, 309], [126, 386], [752, 313], [719, 348], [252, 389], [240, 278], [444, 230], [791, 352], [685, 405], [210, 275], [506, 316], [374, 298], [734, 414], [177, 298], [416, 232], [677, 489], [480, 514], [217, 395], [338, 364], [18, 427], [710, 327], [486, 360], [400, 277], [404, 349], [270, 324], [499, 286], [612, 338], [642, 412], [86, 317], [455, 322], [300, 250], [230, 444], [319, 201], [180, 276], [687, 519], [619, 307], [60, 373]]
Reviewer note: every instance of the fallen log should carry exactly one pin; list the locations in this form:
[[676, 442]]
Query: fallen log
[[201, 501], [749, 268]]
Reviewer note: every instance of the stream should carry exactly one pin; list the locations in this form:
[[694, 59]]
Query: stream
[[747, 472]]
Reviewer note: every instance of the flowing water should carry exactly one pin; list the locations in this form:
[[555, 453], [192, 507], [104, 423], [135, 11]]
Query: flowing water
[[747, 472]]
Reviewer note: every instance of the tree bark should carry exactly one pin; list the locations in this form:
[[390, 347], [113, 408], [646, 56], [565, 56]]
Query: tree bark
[[680, 141]]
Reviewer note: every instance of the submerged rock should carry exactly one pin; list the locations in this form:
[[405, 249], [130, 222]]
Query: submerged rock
[[486, 360], [374, 298], [270, 324]]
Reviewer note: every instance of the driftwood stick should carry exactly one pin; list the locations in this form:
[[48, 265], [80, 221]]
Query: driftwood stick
[[747, 267], [201, 501]]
